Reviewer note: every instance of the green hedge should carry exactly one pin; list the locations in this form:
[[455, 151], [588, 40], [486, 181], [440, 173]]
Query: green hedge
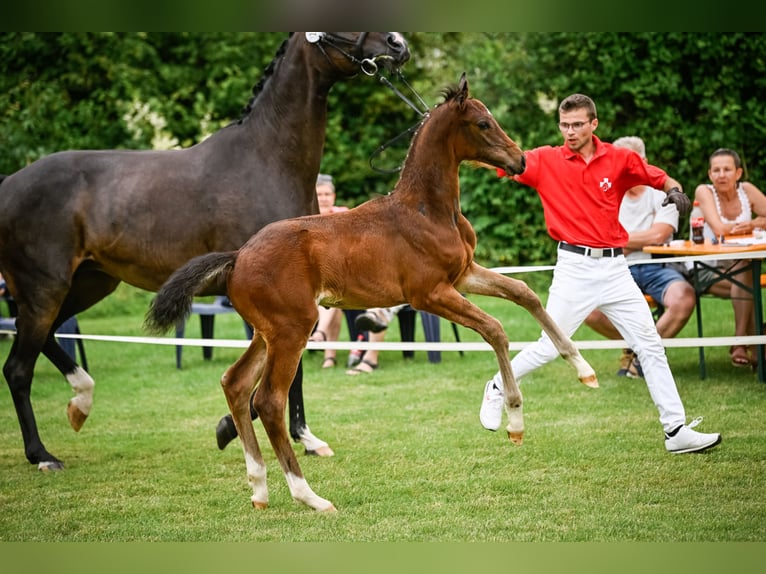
[[685, 94]]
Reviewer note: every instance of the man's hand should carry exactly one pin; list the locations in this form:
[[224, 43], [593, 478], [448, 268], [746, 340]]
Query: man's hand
[[679, 199]]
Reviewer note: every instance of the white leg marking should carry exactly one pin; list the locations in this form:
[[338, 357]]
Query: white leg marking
[[256, 478], [82, 384], [301, 491], [585, 372], [515, 426], [313, 444]]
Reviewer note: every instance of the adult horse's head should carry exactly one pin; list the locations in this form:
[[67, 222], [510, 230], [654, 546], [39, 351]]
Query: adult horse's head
[[352, 52], [483, 141]]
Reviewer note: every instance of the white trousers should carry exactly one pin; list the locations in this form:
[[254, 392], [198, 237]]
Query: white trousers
[[582, 284]]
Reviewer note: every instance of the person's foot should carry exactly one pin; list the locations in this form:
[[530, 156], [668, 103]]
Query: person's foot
[[364, 367], [686, 440], [740, 357], [371, 321], [491, 412], [318, 336], [634, 370], [329, 363], [627, 358], [353, 358]]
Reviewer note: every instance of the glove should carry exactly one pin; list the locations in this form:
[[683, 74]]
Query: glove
[[679, 199]]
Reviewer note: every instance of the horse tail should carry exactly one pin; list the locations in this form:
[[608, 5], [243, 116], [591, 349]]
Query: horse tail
[[205, 273]]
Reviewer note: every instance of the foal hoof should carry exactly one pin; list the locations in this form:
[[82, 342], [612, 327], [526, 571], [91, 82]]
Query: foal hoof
[[77, 418], [259, 504], [517, 437], [320, 451], [590, 381], [50, 466]]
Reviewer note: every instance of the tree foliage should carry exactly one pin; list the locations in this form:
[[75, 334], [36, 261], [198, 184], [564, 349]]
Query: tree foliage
[[685, 94]]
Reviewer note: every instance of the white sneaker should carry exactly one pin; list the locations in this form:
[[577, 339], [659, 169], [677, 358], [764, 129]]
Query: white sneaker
[[688, 440], [491, 413]]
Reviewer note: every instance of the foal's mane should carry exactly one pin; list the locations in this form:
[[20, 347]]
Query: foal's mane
[[450, 93], [267, 73]]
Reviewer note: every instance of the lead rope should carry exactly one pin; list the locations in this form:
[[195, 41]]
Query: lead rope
[[423, 113]]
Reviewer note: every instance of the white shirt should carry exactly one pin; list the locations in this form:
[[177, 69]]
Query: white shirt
[[641, 213]]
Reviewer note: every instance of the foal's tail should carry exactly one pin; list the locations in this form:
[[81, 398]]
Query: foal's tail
[[204, 273]]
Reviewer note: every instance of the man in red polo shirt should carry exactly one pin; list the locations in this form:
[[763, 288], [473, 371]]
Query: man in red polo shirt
[[581, 185]]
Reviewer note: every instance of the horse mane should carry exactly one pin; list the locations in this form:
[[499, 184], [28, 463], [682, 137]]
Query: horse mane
[[450, 92], [267, 73]]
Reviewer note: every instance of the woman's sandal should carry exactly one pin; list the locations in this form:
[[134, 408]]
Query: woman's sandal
[[318, 336], [329, 362], [740, 356], [363, 368]]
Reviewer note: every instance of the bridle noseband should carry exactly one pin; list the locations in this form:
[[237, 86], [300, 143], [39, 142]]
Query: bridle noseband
[[367, 65]]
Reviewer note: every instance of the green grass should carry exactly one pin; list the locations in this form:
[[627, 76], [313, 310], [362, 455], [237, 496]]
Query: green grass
[[412, 461]]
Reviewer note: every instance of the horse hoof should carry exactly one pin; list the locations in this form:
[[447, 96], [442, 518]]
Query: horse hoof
[[320, 451], [225, 432], [260, 505], [77, 418], [517, 437], [590, 381], [329, 509], [50, 466]]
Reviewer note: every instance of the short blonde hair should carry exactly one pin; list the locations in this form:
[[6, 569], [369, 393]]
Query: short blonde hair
[[632, 142]]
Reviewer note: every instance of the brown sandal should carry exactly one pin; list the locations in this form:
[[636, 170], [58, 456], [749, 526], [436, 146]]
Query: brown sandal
[[740, 357]]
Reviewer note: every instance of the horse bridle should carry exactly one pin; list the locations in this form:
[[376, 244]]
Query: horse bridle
[[369, 66]]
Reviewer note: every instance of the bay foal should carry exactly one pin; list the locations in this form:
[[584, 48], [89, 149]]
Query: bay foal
[[412, 246]]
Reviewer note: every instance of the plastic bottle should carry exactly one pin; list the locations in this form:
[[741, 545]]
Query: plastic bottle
[[697, 224]]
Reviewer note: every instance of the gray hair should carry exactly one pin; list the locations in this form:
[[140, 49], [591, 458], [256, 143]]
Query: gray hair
[[324, 179], [632, 142]]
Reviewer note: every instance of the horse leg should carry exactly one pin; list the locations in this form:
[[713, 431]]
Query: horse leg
[[270, 401], [79, 380], [226, 431], [88, 287], [299, 430], [237, 383], [481, 281], [450, 304], [31, 335]]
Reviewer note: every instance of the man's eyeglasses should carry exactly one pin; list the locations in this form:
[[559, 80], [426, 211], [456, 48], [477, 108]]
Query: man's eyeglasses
[[576, 126]]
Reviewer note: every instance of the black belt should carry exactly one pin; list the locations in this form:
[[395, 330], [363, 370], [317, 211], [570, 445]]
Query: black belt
[[595, 252]]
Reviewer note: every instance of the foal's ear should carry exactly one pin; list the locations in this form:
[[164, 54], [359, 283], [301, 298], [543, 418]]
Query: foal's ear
[[462, 90]]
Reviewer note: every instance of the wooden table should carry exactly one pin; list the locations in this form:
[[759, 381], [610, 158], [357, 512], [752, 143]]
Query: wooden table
[[709, 255]]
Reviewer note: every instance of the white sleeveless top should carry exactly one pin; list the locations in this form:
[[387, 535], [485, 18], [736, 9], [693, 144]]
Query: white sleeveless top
[[745, 214]]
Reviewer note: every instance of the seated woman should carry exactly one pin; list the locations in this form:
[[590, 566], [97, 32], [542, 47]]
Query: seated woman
[[728, 206]]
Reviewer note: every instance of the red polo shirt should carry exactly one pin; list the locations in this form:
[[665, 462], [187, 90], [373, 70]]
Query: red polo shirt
[[581, 201]]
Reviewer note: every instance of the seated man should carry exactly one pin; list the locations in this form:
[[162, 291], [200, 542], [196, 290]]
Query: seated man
[[649, 223]]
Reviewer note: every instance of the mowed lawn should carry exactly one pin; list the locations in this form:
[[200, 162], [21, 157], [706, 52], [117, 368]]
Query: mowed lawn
[[412, 462]]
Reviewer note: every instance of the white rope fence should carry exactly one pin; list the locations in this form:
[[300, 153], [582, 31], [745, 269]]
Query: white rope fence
[[416, 346]]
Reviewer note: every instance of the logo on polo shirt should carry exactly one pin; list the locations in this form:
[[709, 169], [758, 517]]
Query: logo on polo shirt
[[605, 185]]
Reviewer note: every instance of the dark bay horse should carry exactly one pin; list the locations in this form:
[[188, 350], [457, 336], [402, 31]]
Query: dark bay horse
[[74, 224], [412, 246]]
